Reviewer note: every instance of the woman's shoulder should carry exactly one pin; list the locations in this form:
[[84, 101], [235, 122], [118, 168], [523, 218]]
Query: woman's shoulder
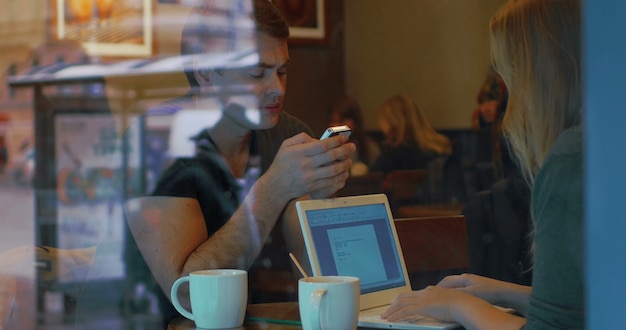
[[569, 142], [557, 207], [566, 153], [564, 158], [561, 175]]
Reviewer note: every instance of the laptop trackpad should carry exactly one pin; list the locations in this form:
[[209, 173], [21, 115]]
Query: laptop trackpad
[[371, 318]]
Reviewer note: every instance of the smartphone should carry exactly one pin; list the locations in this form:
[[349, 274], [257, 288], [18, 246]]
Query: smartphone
[[336, 130]]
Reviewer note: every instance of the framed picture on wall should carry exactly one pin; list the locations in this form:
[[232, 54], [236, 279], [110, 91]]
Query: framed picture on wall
[[307, 20], [106, 27]]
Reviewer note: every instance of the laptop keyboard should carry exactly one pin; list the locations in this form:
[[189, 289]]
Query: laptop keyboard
[[407, 320]]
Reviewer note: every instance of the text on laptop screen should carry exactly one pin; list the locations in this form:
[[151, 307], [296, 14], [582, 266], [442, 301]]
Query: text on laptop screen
[[357, 241]]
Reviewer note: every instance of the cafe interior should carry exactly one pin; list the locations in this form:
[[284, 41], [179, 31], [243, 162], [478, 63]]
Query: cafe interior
[[86, 124]]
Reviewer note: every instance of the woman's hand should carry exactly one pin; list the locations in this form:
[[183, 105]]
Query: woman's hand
[[493, 291], [452, 306], [436, 302], [482, 287]]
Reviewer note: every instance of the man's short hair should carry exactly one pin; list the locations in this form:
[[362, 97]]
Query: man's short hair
[[220, 26]]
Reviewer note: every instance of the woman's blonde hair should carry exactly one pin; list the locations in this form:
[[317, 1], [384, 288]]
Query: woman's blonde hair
[[536, 48], [407, 123]]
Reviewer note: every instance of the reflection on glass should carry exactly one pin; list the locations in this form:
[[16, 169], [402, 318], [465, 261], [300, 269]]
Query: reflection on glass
[[82, 10], [93, 167], [104, 11]]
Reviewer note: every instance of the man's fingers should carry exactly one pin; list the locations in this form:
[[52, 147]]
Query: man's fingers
[[298, 139]]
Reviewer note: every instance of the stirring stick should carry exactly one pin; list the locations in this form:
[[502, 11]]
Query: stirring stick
[[295, 261]]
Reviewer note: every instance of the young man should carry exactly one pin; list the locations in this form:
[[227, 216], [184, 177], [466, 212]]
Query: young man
[[202, 215]]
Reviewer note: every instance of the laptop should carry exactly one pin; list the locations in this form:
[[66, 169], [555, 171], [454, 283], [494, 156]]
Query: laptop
[[356, 236]]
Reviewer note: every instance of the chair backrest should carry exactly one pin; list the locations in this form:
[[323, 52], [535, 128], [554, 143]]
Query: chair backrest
[[446, 183], [434, 243], [405, 187], [404, 183], [370, 183], [435, 180]]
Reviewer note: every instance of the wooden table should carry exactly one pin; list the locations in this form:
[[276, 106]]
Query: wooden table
[[428, 210], [283, 316]]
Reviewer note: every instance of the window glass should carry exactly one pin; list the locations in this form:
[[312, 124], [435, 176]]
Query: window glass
[[102, 101]]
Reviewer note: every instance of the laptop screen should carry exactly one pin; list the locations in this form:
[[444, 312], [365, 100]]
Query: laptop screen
[[357, 241]]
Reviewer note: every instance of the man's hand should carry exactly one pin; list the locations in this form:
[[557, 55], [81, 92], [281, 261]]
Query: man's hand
[[305, 165]]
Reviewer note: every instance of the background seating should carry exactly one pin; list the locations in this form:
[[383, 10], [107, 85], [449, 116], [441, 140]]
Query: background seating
[[370, 183], [404, 187], [422, 193], [429, 210], [433, 247]]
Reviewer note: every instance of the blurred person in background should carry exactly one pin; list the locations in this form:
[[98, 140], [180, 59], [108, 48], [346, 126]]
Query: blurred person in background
[[498, 212], [410, 142], [347, 111], [487, 117]]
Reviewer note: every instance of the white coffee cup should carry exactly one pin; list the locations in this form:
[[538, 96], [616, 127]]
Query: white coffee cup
[[218, 297], [329, 302]]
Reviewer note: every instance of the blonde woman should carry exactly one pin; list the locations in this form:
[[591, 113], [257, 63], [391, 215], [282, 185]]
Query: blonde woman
[[410, 142], [536, 45]]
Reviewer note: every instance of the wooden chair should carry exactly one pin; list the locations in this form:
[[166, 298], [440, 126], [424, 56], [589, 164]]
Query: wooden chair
[[370, 183], [403, 187], [433, 247]]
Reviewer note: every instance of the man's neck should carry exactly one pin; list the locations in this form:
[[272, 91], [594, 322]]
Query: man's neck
[[230, 141]]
